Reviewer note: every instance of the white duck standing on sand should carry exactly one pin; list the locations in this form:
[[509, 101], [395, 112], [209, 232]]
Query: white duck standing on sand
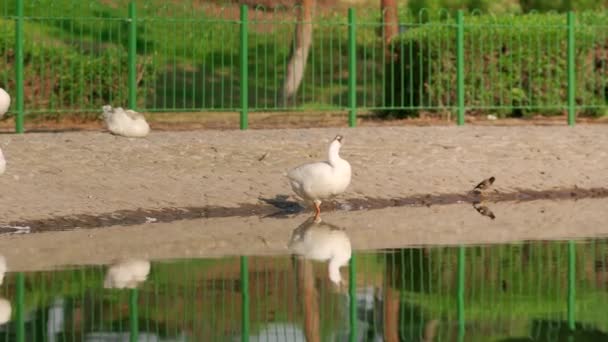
[[5, 102], [126, 274], [322, 241], [315, 182], [127, 123]]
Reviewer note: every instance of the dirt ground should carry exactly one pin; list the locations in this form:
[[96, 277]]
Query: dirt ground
[[57, 179]]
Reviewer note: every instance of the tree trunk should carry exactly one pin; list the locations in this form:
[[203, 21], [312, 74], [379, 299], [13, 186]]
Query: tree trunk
[[390, 25], [299, 52]]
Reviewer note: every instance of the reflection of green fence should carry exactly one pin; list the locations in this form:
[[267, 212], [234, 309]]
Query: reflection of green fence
[[61, 56], [476, 293]]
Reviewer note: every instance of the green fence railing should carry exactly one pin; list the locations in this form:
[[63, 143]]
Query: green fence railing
[[69, 56], [470, 293]]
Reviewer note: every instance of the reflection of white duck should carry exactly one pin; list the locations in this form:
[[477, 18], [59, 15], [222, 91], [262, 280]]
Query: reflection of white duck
[[127, 123], [5, 102], [314, 182], [3, 268], [322, 241], [126, 274], [5, 305], [5, 310]]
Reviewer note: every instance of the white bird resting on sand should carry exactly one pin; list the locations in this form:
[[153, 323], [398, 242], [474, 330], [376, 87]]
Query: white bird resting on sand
[[127, 123], [314, 182], [127, 274], [5, 102], [322, 241]]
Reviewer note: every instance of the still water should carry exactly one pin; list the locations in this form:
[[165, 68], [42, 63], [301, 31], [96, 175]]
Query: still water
[[527, 291]]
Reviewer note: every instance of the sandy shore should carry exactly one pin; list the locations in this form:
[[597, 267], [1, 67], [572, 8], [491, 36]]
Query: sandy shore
[[76, 173], [367, 229], [64, 175]]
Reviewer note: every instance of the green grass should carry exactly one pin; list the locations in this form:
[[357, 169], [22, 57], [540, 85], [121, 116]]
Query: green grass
[[188, 59]]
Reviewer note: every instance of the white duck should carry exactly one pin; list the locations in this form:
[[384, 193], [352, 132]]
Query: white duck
[[5, 102], [127, 123], [126, 274], [322, 241], [314, 182]]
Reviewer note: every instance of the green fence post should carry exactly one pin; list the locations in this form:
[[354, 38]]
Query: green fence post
[[244, 70], [352, 293], [20, 307], [133, 316], [19, 118], [571, 284], [460, 292], [132, 56], [352, 69], [245, 298], [460, 66], [571, 71]]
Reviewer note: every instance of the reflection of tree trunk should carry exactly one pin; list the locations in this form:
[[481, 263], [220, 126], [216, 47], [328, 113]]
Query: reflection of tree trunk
[[430, 331], [391, 314], [309, 297], [299, 52], [390, 24]]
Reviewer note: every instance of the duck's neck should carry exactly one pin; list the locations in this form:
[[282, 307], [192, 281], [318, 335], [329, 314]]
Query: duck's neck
[[334, 153]]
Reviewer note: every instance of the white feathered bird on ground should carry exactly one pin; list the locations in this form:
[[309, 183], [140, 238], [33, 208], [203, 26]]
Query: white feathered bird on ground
[[5, 102], [315, 182], [322, 242], [127, 123]]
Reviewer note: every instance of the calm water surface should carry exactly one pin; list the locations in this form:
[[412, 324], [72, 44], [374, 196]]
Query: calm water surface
[[529, 291]]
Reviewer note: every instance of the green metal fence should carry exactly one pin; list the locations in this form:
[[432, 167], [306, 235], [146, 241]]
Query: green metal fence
[[59, 56], [545, 291]]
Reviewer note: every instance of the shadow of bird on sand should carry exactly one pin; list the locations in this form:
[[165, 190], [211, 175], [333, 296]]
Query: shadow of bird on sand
[[285, 206]]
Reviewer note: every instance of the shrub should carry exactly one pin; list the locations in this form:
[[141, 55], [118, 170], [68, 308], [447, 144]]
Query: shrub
[[513, 65], [64, 75]]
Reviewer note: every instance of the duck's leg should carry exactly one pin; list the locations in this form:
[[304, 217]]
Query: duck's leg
[[317, 211]]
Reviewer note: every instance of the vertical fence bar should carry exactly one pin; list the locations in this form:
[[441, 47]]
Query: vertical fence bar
[[571, 71], [133, 316], [19, 117], [352, 294], [244, 70], [245, 298], [132, 59], [460, 66], [460, 292], [352, 69], [571, 284], [20, 305]]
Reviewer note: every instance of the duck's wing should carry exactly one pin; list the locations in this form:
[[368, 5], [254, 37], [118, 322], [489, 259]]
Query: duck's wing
[[133, 114], [309, 171]]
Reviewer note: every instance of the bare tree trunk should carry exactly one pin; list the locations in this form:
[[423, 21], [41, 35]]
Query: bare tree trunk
[[299, 51], [391, 314], [309, 297], [390, 26]]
